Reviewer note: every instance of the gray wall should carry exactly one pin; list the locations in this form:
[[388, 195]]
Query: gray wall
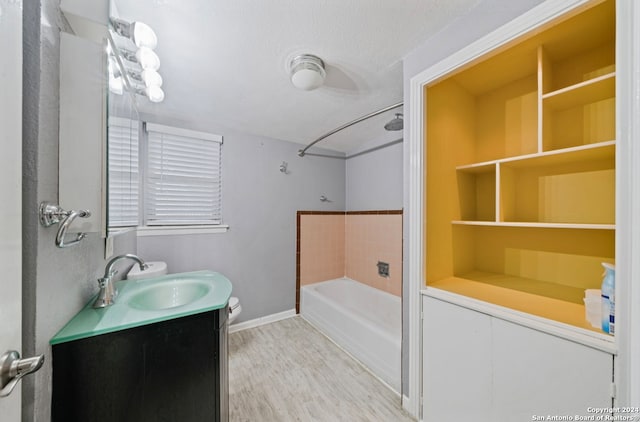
[[486, 16], [374, 180], [56, 282], [258, 253]]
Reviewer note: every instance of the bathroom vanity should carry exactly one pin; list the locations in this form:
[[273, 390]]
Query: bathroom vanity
[[131, 362]]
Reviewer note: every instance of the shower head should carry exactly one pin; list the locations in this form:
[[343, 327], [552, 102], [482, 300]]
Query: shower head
[[396, 123]]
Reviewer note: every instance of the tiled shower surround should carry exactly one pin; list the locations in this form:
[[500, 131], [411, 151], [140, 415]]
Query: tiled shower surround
[[349, 244]]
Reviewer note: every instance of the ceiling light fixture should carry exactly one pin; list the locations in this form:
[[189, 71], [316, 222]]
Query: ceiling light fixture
[[307, 72], [140, 33]]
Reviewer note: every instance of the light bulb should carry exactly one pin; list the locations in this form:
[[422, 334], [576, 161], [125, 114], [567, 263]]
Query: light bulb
[[307, 79], [147, 58], [155, 94], [143, 36], [151, 78], [307, 72]]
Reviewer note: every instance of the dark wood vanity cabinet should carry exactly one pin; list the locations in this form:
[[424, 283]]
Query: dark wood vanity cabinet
[[175, 370]]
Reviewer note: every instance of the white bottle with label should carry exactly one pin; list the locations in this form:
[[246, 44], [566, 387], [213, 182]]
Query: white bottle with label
[[608, 298]]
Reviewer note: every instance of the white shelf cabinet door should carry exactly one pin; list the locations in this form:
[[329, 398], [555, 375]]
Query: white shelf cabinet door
[[456, 363], [482, 368], [540, 374]]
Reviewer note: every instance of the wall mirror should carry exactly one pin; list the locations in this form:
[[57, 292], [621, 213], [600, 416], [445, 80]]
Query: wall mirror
[[123, 126]]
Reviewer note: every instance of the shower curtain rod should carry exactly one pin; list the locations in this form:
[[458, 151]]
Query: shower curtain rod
[[302, 152]]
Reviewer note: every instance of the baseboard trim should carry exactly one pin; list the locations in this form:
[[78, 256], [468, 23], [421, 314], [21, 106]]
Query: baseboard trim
[[262, 321], [407, 405]]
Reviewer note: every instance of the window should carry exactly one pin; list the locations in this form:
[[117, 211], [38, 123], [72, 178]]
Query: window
[[123, 172], [182, 177]]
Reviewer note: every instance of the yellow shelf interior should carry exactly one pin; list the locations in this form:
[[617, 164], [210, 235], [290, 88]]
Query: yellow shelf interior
[[522, 295], [520, 169], [588, 92]]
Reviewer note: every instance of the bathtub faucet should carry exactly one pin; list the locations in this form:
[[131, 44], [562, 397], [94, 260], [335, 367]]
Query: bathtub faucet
[[107, 294]]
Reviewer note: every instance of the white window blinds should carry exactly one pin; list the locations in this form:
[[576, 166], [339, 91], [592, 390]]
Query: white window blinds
[[124, 173], [183, 177]]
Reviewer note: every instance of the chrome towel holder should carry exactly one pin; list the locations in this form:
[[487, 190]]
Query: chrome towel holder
[[51, 214]]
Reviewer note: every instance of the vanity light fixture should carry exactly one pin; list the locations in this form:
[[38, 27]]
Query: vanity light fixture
[[146, 57], [143, 80], [151, 82], [155, 94], [116, 83], [147, 77], [307, 72], [140, 33], [151, 78]]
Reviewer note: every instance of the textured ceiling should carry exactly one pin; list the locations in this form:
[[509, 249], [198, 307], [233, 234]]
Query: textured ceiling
[[225, 62]]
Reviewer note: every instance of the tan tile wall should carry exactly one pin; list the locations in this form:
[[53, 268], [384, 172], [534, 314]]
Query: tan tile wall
[[322, 246], [337, 245], [371, 238]]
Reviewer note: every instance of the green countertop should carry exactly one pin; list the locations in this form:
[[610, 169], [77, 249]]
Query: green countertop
[[126, 313]]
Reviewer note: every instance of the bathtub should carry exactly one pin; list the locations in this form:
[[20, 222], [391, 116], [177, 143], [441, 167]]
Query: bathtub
[[364, 321]]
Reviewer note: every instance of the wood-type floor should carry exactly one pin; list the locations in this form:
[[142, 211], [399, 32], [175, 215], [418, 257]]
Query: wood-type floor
[[288, 371]]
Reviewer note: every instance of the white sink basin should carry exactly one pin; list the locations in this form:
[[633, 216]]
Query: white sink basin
[[169, 294]]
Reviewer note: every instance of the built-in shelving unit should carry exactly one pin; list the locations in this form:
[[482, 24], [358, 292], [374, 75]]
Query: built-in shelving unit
[[520, 170]]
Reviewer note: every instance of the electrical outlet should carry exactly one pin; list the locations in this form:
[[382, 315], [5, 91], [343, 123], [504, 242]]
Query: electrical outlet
[[383, 269]]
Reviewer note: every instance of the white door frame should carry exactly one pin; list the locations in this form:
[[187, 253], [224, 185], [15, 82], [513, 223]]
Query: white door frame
[[627, 371], [11, 191], [628, 195]]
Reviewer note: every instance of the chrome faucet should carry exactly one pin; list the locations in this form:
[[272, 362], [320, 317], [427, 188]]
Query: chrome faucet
[[107, 294]]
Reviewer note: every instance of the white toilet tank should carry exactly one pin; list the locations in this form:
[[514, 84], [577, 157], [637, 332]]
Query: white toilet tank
[[234, 309], [155, 269]]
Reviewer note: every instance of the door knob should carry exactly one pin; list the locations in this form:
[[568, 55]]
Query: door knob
[[12, 369]]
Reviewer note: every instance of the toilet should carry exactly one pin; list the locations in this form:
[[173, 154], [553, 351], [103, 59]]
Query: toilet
[[158, 268], [154, 269], [234, 309]]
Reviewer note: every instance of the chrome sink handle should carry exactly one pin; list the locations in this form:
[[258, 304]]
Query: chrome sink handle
[[12, 369], [52, 214], [108, 293]]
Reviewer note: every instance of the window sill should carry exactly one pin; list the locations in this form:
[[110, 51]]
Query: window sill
[[180, 230], [116, 231]]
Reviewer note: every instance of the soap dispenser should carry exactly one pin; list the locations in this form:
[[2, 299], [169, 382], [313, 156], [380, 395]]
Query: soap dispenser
[[608, 298]]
